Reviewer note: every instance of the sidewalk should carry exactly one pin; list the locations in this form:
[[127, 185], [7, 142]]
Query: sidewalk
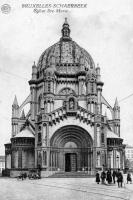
[[60, 188]]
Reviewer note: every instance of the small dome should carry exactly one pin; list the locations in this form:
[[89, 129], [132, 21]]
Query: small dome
[[66, 51], [25, 133]]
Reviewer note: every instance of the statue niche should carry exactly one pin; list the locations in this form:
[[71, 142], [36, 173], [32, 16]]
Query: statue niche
[[71, 104]]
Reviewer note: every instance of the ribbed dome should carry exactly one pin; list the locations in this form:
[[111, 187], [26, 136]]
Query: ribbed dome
[[66, 51]]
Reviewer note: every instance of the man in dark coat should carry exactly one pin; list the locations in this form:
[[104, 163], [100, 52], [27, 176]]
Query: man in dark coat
[[103, 177], [119, 178], [109, 177], [97, 177], [114, 175]]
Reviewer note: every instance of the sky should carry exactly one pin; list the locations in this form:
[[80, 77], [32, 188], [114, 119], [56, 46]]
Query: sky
[[104, 29]]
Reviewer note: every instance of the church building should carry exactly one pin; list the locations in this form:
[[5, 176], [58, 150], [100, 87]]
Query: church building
[[65, 128]]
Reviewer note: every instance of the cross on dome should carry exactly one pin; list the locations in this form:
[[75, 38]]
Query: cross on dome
[[66, 20]]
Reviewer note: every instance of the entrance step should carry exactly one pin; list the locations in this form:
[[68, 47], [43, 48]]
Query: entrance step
[[71, 175]]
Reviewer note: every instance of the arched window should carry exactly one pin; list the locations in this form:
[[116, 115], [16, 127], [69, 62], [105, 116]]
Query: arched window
[[39, 159], [39, 137], [102, 137], [45, 157], [39, 103], [49, 86], [91, 87], [37, 74]]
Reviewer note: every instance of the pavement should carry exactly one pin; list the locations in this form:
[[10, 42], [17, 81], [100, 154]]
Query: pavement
[[62, 189]]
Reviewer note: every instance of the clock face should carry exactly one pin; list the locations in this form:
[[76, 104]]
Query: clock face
[[66, 52]]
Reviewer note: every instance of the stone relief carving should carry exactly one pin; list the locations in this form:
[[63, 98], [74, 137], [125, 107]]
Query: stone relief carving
[[66, 91]]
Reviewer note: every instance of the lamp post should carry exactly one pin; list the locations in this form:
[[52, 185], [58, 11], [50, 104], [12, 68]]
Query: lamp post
[[109, 158], [109, 161], [117, 161]]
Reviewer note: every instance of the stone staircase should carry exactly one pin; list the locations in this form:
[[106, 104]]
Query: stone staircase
[[72, 175]]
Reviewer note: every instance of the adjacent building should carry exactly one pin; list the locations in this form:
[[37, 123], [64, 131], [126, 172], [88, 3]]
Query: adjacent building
[[129, 152], [2, 164], [129, 157], [65, 128]]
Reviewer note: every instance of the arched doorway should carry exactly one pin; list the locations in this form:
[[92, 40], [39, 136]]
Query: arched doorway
[[71, 157], [70, 149]]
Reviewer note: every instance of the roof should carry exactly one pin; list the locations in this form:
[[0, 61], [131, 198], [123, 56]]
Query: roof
[[64, 51], [25, 133], [116, 103], [111, 134], [129, 146], [15, 102]]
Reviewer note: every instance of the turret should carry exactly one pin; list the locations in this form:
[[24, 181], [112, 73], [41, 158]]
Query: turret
[[91, 90], [49, 85], [65, 31], [15, 108], [98, 73], [81, 76], [116, 110], [32, 83], [34, 72], [99, 90], [22, 115], [15, 116]]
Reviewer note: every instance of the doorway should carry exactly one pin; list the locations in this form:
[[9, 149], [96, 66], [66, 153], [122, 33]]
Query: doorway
[[70, 162]]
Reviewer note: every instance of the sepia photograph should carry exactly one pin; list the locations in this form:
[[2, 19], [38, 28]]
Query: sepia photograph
[[66, 100]]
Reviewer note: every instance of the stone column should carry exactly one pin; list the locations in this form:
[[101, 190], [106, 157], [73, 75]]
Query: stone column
[[33, 101], [92, 166], [94, 147], [99, 93], [20, 158]]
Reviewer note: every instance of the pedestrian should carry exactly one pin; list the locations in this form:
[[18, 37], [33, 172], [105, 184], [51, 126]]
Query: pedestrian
[[129, 178], [114, 175], [97, 177], [103, 177], [119, 178], [109, 177], [25, 175]]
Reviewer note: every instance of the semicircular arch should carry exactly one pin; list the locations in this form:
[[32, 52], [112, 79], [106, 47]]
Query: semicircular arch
[[71, 133], [67, 90]]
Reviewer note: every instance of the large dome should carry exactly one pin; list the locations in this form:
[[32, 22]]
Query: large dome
[[66, 51]]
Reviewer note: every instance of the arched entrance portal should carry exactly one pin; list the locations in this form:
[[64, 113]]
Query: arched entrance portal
[[70, 149]]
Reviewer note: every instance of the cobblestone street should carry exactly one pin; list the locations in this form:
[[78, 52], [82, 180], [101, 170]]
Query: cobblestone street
[[68, 188]]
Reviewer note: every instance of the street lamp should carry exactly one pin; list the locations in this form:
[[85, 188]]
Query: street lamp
[[109, 161], [109, 157], [117, 160]]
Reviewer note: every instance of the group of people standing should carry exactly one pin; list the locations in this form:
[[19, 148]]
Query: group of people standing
[[109, 177]]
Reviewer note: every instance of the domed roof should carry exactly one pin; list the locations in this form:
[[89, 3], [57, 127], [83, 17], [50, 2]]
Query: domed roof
[[25, 133], [66, 51]]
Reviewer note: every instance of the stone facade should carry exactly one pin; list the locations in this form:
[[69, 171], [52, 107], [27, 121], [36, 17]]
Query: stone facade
[[67, 129]]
